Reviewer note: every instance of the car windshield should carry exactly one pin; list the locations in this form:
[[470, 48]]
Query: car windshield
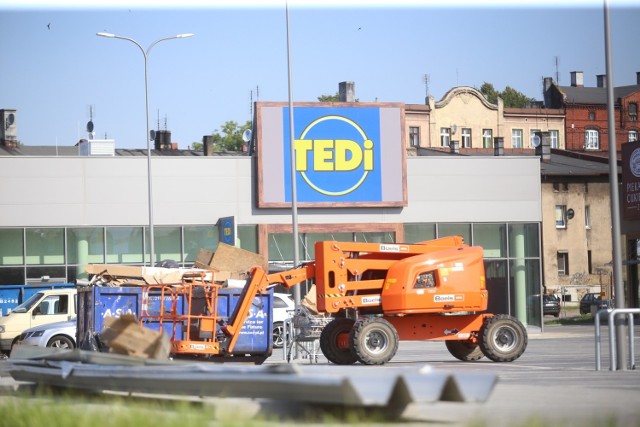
[[26, 306]]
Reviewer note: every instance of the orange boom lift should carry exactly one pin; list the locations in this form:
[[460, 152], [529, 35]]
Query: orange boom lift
[[382, 293]]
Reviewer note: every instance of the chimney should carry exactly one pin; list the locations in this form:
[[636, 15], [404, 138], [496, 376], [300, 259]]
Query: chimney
[[543, 149], [347, 91], [8, 129], [577, 79], [638, 77], [207, 145], [454, 147], [498, 146], [162, 140], [548, 81], [601, 80]]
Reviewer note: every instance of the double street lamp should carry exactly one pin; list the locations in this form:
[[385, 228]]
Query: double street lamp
[[148, 134]]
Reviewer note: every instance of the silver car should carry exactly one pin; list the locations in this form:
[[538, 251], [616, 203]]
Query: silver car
[[59, 335]]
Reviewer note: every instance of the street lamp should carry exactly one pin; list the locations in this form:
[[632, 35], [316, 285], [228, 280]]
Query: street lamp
[[148, 135]]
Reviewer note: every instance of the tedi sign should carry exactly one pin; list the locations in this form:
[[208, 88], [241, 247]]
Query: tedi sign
[[344, 155]]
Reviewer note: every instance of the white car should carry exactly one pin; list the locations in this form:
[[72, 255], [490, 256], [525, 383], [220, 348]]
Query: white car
[[283, 308], [60, 335]]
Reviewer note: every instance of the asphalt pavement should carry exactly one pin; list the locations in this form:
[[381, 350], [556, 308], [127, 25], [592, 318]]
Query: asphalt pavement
[[554, 382]]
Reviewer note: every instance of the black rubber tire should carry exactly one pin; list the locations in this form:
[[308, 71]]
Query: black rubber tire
[[464, 350], [278, 334], [61, 341], [503, 338], [373, 340], [329, 338]]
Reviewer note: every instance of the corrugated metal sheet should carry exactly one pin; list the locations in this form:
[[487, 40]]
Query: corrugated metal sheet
[[391, 388]]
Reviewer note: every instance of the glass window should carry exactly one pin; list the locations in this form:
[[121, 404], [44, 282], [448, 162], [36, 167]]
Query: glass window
[[516, 138], [563, 263], [487, 138], [55, 274], [85, 245], [592, 115], [445, 137], [11, 246], [248, 236], [198, 237], [12, 276], [526, 287], [497, 280], [587, 216], [44, 246], [463, 230], [633, 111], [374, 237], [554, 139], [591, 139], [414, 136], [124, 245], [561, 216], [310, 239], [168, 243], [524, 241], [633, 135], [492, 238], [414, 233], [466, 138]]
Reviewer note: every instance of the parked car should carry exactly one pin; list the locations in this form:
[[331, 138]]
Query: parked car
[[593, 298], [59, 335], [550, 305], [283, 308]]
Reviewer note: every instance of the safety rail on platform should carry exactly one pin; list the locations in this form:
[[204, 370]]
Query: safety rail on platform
[[611, 314]]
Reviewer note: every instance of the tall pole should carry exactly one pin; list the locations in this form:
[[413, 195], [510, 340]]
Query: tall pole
[[145, 54], [621, 356], [294, 196]]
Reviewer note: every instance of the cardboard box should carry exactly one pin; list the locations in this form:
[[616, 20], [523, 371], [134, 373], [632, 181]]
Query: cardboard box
[[229, 262], [139, 275], [124, 335]]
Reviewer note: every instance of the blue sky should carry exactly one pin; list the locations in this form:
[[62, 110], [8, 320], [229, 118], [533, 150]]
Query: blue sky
[[55, 70]]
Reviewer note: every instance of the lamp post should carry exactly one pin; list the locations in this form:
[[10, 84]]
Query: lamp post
[[148, 135]]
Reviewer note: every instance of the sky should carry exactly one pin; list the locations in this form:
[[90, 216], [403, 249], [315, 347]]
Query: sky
[[58, 74]]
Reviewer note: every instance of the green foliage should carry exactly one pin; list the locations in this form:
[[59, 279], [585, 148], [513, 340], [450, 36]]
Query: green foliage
[[511, 97], [329, 98], [229, 138], [332, 98]]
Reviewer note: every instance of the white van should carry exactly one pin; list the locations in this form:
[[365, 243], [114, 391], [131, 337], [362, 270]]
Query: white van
[[44, 307]]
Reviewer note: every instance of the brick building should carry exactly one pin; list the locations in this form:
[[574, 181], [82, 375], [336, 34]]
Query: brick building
[[586, 119]]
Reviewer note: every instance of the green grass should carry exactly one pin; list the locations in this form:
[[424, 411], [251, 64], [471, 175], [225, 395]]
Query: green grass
[[581, 319], [47, 409]]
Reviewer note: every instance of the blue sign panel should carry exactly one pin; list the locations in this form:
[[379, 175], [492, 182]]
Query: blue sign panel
[[344, 154], [337, 154], [227, 230]]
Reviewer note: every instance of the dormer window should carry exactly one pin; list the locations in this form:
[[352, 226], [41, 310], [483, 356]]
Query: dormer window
[[633, 111]]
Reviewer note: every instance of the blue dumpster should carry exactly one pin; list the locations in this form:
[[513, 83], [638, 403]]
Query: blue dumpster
[[97, 303]]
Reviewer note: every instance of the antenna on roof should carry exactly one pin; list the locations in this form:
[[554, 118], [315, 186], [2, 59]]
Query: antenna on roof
[[426, 79], [557, 72], [90, 123]]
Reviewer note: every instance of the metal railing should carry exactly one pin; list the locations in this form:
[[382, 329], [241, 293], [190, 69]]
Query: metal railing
[[611, 313]]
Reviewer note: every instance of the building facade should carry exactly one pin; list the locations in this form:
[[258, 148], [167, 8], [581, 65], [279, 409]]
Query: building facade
[[63, 212]]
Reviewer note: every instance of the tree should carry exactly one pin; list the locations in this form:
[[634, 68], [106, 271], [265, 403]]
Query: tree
[[329, 98], [332, 98], [229, 138], [511, 97]]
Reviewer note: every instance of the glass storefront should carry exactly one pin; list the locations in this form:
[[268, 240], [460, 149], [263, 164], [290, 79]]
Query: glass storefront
[[29, 255], [57, 255]]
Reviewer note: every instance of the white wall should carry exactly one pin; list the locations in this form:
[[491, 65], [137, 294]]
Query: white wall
[[93, 191]]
